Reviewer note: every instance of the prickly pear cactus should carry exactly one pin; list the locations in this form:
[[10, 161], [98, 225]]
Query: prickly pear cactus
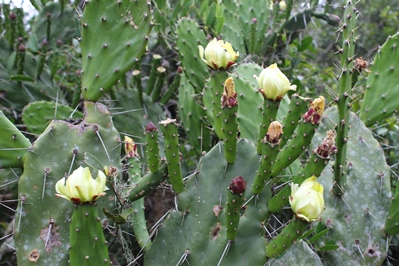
[[200, 218], [37, 115], [14, 145], [356, 220], [382, 85], [42, 221], [107, 57]]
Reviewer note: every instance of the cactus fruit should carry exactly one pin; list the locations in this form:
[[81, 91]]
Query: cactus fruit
[[229, 120], [14, 145], [382, 87], [169, 130], [107, 57]]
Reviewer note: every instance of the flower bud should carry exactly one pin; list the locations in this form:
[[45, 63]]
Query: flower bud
[[229, 97], [219, 55], [130, 148], [80, 187], [238, 185], [307, 200], [273, 84]]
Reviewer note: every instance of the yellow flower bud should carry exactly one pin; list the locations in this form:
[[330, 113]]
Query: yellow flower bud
[[80, 187], [273, 83], [307, 200], [219, 55]]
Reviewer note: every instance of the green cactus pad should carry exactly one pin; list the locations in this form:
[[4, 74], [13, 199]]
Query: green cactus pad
[[382, 87], [13, 144], [55, 154], [189, 36], [107, 57], [357, 220], [232, 27], [392, 222], [37, 115], [193, 117], [200, 220], [299, 253]]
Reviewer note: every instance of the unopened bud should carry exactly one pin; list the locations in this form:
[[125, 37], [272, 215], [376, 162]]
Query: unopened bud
[[150, 127], [238, 185]]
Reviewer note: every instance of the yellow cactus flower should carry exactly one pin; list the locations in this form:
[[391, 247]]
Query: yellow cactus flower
[[80, 187], [219, 55], [273, 83], [307, 200]]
